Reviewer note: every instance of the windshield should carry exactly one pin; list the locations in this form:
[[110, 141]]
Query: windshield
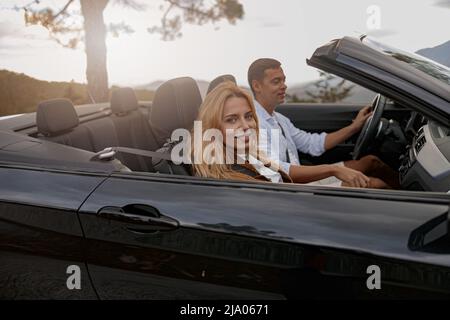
[[430, 67]]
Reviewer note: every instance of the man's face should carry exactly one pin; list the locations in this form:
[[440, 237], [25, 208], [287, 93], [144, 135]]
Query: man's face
[[271, 91]]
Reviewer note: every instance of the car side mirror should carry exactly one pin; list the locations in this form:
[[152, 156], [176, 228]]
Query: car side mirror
[[433, 236]]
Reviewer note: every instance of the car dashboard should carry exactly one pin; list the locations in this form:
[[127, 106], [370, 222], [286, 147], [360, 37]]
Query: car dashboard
[[425, 165]]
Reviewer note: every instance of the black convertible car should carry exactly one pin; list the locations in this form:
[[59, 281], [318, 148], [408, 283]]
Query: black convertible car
[[78, 221]]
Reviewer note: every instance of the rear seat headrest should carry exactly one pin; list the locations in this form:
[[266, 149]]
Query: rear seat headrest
[[56, 116], [175, 105], [123, 100], [220, 79]]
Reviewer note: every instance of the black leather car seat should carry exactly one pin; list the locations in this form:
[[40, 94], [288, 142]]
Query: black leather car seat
[[175, 105], [57, 121], [132, 128]]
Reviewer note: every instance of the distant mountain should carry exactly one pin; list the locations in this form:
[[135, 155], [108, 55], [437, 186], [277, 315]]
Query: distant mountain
[[152, 86], [440, 53]]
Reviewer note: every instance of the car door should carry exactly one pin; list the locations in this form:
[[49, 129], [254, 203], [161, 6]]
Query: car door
[[152, 237], [323, 117], [166, 237], [319, 117], [41, 240], [330, 117]]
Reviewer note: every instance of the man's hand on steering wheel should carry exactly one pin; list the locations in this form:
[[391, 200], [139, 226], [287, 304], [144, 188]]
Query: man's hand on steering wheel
[[361, 118], [370, 127]]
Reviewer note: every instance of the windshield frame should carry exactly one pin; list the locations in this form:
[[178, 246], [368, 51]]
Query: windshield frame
[[414, 60]]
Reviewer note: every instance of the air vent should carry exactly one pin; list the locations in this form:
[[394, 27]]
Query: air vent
[[420, 143], [420, 132]]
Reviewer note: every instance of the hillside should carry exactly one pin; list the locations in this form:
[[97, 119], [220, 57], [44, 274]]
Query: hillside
[[20, 93], [440, 53]]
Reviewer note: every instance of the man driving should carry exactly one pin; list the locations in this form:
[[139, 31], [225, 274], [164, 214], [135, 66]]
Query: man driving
[[267, 82]]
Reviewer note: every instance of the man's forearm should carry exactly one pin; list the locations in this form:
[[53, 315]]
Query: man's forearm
[[334, 138], [305, 174]]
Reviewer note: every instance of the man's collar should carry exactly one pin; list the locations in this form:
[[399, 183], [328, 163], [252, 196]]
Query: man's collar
[[262, 112]]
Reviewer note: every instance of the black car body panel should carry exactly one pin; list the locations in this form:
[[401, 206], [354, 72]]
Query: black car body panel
[[267, 246], [40, 233]]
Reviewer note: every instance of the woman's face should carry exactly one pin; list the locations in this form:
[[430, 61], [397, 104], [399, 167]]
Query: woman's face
[[238, 123]]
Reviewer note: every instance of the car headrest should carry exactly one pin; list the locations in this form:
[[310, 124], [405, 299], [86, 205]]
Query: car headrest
[[56, 116], [219, 80], [175, 105], [123, 100]]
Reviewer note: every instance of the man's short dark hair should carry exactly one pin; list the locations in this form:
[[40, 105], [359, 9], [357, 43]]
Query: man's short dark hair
[[219, 80], [258, 67]]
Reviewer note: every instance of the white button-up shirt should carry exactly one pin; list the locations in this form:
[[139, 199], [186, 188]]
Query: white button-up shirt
[[295, 139]]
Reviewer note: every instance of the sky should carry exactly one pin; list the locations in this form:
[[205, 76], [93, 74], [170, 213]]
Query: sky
[[288, 30]]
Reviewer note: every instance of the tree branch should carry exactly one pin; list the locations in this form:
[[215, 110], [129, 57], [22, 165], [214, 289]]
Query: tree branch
[[135, 5], [192, 8], [64, 9], [164, 17], [195, 12]]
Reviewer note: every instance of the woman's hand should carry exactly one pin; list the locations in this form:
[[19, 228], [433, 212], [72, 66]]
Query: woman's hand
[[351, 178]]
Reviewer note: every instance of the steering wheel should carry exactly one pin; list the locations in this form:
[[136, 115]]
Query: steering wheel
[[371, 127]]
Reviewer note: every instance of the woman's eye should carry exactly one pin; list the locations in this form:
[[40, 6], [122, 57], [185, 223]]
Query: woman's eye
[[231, 120], [249, 117]]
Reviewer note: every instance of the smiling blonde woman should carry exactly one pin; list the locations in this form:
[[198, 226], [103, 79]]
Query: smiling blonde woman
[[228, 118]]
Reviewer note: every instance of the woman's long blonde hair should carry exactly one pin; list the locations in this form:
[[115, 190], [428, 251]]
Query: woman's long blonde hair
[[210, 115]]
